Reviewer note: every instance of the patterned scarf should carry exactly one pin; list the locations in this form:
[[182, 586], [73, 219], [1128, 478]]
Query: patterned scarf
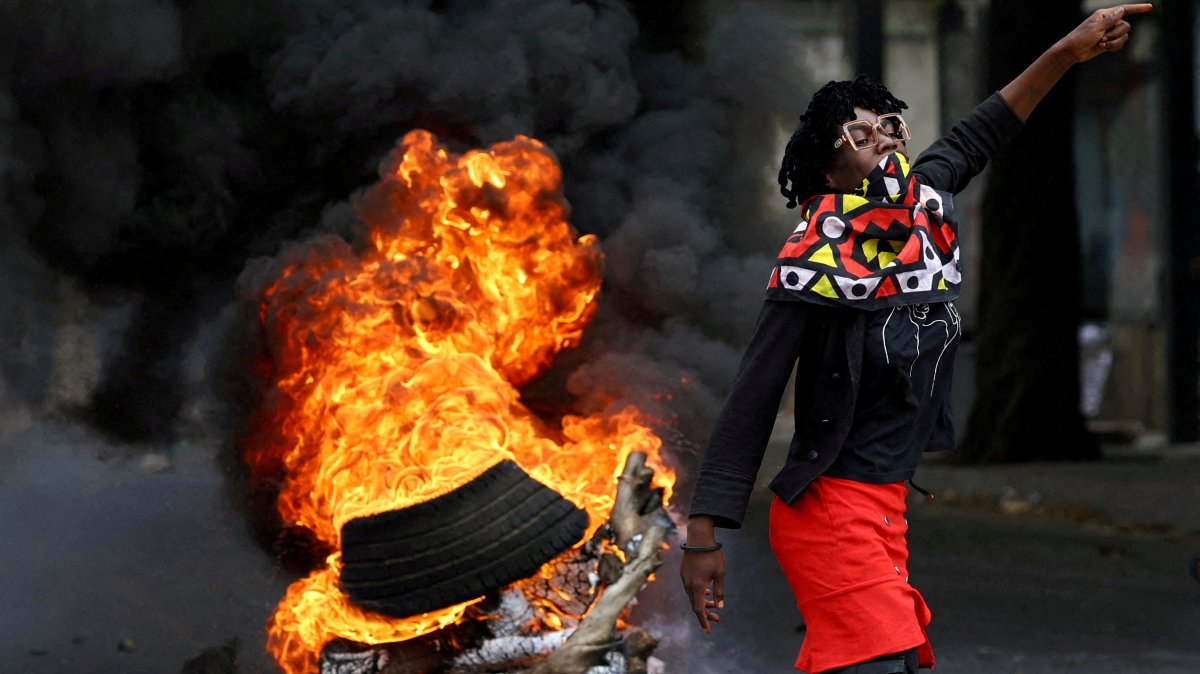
[[893, 242]]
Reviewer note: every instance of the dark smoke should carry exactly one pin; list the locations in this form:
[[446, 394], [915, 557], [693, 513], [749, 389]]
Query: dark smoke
[[152, 152]]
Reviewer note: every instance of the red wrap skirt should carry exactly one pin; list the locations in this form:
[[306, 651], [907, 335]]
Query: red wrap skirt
[[843, 549]]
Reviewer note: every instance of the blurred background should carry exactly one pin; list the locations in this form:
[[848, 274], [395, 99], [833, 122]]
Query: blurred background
[[158, 158]]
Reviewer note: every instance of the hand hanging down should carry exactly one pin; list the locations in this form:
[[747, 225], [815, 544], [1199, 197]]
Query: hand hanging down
[[703, 573]]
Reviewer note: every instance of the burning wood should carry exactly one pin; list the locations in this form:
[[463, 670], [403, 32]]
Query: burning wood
[[512, 633], [640, 524]]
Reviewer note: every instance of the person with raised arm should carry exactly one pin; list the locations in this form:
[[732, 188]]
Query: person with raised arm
[[862, 298]]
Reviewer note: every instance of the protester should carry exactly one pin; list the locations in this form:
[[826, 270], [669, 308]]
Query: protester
[[862, 298]]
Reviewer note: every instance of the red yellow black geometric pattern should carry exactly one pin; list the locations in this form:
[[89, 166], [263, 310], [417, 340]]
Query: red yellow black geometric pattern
[[890, 244]]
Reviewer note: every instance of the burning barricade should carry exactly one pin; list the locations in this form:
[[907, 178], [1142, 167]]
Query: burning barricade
[[464, 533]]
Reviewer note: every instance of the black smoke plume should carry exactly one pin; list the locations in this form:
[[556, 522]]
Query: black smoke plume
[[158, 159]]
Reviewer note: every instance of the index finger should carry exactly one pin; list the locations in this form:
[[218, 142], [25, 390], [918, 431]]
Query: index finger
[[1112, 16], [1140, 8]]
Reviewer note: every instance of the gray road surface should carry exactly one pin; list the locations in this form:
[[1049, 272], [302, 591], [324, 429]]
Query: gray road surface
[[100, 553]]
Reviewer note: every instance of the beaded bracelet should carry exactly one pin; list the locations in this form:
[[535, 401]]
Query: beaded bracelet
[[699, 548]]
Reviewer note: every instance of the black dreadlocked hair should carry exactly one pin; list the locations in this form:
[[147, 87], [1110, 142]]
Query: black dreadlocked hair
[[811, 147]]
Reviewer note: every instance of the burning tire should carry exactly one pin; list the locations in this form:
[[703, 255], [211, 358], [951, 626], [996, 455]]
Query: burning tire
[[498, 528]]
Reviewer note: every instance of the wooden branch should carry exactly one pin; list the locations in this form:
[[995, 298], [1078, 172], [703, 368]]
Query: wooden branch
[[640, 524], [637, 504]]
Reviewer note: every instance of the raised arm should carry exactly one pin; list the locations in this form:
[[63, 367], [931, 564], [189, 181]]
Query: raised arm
[[954, 159], [1104, 31]]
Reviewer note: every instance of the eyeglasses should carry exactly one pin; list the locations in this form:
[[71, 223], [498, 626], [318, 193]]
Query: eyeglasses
[[861, 133]]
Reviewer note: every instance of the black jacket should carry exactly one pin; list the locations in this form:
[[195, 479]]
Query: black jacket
[[828, 343]]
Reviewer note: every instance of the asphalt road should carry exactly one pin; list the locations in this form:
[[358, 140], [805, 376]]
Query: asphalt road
[[122, 565], [1010, 594]]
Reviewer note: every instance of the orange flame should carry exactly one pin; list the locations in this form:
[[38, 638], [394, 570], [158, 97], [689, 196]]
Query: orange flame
[[396, 367]]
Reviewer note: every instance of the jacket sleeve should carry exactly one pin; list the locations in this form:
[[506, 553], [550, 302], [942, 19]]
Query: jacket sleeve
[[743, 428], [954, 159]]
